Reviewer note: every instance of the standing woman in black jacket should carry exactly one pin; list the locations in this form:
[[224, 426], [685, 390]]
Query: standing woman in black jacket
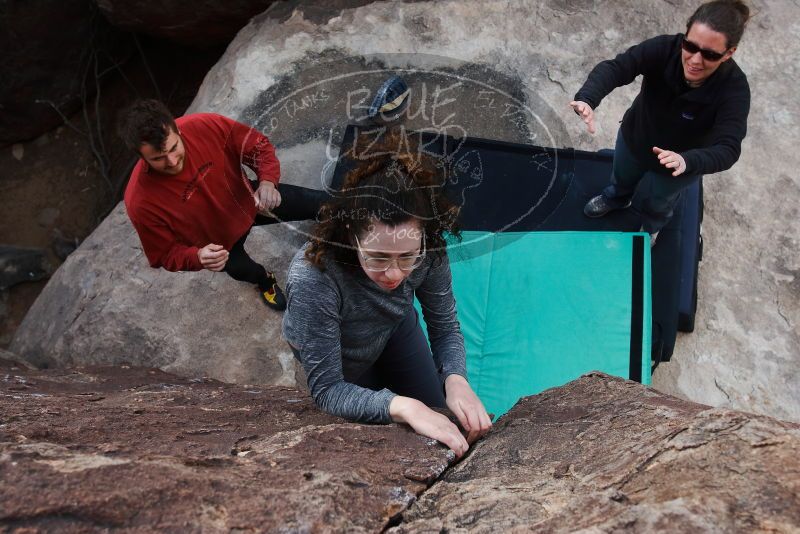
[[689, 118]]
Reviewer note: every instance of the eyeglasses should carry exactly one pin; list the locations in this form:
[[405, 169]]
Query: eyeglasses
[[709, 55], [404, 263]]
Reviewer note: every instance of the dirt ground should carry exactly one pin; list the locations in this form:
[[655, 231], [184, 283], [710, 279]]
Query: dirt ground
[[52, 191]]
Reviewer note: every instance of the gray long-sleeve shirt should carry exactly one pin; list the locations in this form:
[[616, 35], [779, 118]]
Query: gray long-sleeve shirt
[[338, 320]]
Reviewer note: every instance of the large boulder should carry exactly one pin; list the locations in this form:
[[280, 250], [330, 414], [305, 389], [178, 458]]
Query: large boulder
[[491, 69], [106, 305], [49, 51], [140, 450]]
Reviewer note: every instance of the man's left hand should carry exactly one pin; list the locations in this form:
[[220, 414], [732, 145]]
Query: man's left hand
[[267, 196], [670, 160], [467, 407]]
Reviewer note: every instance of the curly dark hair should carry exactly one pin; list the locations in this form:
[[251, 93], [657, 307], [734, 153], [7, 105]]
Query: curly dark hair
[[393, 182], [728, 17], [145, 121]]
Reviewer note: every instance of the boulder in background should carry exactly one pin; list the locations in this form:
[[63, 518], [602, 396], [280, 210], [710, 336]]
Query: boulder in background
[[106, 305]]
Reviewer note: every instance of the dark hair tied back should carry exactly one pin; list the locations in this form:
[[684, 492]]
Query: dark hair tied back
[[728, 17]]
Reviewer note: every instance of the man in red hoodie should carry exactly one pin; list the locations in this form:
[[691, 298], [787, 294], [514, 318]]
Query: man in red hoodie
[[190, 201]]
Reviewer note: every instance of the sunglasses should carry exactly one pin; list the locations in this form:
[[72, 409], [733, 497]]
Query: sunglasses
[[708, 55]]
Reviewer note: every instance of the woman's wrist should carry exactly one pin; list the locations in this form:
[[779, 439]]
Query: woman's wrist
[[455, 376], [399, 408], [455, 379]]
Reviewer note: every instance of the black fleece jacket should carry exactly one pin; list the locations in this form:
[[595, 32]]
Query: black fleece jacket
[[705, 125]]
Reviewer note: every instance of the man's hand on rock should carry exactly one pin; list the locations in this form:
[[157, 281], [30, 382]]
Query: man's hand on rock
[[670, 160], [267, 197], [213, 257], [585, 112]]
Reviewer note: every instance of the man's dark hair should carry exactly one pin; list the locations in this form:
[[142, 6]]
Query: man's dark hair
[[728, 17], [146, 121]]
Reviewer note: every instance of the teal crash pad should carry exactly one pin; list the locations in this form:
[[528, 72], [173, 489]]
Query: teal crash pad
[[539, 309]]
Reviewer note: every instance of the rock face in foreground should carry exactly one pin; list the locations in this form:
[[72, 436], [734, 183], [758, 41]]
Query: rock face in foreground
[[132, 448], [606, 455], [139, 450]]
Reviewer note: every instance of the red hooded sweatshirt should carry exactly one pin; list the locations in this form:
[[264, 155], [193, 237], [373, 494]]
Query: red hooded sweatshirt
[[210, 201]]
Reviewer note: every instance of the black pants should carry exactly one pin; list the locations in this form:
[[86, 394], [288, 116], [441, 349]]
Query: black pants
[[665, 191], [406, 366], [297, 204]]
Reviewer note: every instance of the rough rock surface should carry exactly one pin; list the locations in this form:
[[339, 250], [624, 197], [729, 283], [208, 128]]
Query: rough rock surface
[[530, 57], [47, 48], [139, 450], [606, 455]]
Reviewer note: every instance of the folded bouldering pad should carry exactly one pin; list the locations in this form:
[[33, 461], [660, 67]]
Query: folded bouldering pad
[[539, 309]]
